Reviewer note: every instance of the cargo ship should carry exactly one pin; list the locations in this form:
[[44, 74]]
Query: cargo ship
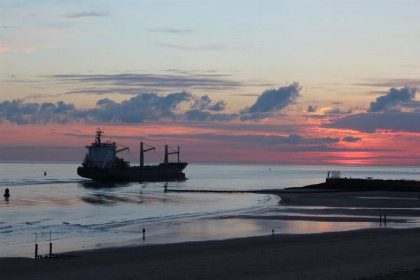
[[102, 164]]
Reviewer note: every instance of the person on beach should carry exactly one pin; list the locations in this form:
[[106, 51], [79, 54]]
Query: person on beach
[[6, 193]]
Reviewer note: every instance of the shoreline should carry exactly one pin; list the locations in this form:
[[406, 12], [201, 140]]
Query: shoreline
[[377, 253], [361, 254]]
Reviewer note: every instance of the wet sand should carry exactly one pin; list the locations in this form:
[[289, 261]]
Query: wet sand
[[381, 253]]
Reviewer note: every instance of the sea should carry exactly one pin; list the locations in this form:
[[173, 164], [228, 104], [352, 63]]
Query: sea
[[51, 204]]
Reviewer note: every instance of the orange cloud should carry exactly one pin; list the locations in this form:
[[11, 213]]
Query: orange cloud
[[5, 49]]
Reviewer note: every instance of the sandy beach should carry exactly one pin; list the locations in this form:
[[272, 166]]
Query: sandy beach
[[380, 253]]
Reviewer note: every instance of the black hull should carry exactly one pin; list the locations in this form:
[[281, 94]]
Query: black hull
[[162, 172]]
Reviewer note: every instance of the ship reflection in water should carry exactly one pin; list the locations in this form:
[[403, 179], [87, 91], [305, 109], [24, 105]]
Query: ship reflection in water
[[101, 184], [102, 164]]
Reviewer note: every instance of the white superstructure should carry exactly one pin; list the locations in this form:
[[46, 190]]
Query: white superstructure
[[102, 155]]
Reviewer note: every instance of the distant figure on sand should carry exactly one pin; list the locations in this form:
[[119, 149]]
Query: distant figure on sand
[[6, 193]]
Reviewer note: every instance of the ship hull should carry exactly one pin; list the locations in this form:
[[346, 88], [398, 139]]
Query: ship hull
[[161, 172]]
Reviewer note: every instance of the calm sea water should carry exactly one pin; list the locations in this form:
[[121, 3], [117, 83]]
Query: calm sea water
[[76, 214]]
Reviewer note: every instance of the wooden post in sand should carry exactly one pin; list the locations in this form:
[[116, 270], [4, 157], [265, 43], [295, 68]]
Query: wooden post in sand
[[36, 247], [50, 246]]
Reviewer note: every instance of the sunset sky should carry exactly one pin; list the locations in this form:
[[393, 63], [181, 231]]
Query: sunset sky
[[253, 81]]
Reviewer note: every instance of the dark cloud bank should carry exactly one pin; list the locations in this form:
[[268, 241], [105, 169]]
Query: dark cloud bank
[[131, 83], [293, 142], [148, 107], [270, 101], [369, 123], [396, 100], [397, 110]]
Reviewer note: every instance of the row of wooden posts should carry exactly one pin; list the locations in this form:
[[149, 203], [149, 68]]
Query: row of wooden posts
[[36, 247], [50, 252]]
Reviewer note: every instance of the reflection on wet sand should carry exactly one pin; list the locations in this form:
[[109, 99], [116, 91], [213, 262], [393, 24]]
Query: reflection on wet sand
[[399, 208]]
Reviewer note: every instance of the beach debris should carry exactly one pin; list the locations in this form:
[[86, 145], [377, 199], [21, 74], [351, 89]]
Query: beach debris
[[56, 256]]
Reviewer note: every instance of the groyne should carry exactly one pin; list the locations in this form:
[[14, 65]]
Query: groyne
[[355, 184]]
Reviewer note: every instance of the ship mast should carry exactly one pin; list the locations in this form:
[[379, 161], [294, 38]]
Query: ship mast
[[142, 151], [98, 136]]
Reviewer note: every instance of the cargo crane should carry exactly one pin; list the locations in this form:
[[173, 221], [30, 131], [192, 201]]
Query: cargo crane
[[142, 151], [167, 153], [122, 149]]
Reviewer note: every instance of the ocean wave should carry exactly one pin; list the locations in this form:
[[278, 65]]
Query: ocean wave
[[30, 182], [130, 224]]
